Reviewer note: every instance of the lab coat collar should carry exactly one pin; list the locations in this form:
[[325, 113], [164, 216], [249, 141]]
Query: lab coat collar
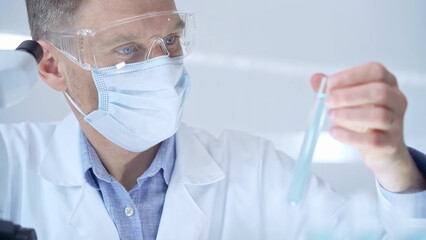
[[62, 163], [194, 165], [184, 213]]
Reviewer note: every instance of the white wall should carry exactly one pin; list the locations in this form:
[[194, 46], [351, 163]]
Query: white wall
[[253, 61]]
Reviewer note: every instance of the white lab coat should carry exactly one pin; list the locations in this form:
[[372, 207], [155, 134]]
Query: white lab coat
[[231, 187]]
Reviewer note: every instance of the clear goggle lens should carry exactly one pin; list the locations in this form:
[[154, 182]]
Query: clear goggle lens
[[129, 40]]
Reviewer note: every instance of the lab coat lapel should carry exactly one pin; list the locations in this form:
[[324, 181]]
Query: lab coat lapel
[[185, 213], [90, 218], [62, 166]]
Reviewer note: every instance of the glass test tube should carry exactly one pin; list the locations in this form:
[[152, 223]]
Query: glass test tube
[[302, 168]]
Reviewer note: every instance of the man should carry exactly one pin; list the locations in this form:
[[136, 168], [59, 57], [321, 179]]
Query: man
[[121, 167]]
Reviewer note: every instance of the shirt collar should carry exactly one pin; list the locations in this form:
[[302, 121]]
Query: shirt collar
[[86, 153], [168, 149], [94, 170], [164, 160]]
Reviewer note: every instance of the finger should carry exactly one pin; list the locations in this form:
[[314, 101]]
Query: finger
[[371, 72], [364, 117], [316, 81], [369, 94], [372, 139]]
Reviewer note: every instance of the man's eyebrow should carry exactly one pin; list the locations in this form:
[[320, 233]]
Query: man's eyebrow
[[119, 38], [180, 24]]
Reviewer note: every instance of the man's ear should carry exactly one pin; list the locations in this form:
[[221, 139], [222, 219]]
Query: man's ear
[[48, 68]]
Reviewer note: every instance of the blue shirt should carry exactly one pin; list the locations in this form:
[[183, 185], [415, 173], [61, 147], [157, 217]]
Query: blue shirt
[[136, 213], [411, 204]]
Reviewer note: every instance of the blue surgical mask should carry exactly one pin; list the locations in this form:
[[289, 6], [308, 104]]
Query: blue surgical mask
[[140, 104]]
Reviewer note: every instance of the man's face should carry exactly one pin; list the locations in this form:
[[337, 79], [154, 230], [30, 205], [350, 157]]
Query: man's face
[[99, 13]]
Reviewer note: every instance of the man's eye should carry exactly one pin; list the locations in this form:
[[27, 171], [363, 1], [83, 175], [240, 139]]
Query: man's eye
[[127, 50], [170, 40]]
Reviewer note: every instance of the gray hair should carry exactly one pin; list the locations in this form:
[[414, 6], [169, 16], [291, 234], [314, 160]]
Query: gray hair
[[50, 15]]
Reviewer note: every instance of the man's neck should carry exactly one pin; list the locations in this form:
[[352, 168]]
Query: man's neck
[[126, 167]]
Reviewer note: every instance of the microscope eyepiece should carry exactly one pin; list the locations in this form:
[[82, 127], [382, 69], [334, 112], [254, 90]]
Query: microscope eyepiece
[[33, 48]]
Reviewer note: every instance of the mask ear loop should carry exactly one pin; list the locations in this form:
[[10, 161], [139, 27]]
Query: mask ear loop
[[74, 104], [157, 41]]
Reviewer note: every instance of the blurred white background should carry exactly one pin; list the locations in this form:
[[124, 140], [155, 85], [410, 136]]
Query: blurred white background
[[252, 65]]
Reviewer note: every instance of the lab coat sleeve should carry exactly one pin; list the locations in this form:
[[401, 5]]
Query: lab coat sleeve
[[21, 145], [323, 208], [405, 211]]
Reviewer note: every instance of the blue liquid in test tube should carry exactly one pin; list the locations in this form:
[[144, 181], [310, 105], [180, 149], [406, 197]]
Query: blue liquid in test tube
[[303, 165]]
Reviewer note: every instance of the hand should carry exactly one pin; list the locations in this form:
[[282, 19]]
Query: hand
[[367, 110]]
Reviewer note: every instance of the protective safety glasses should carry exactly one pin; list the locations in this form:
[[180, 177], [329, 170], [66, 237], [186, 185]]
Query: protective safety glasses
[[128, 40]]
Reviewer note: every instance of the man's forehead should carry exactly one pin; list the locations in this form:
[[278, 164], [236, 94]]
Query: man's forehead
[[95, 13], [140, 30]]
